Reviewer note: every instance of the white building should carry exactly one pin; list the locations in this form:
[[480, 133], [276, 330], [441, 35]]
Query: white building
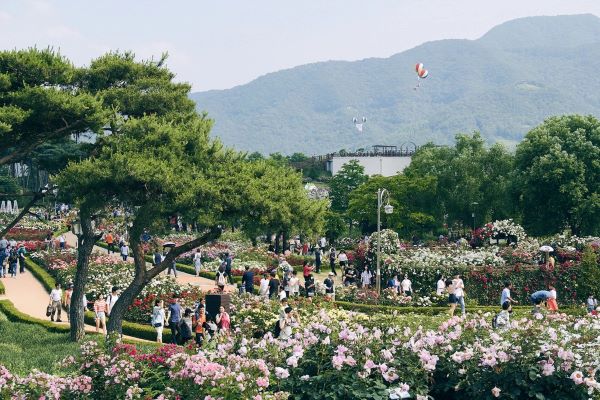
[[383, 160]]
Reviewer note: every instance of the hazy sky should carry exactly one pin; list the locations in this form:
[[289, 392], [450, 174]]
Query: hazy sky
[[218, 44]]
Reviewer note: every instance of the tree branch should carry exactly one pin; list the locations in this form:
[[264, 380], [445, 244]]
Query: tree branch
[[211, 235], [19, 154]]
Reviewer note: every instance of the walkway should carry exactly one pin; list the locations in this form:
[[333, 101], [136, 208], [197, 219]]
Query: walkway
[[182, 278], [29, 297]]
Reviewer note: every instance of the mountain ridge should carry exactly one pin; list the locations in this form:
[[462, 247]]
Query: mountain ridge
[[481, 84]]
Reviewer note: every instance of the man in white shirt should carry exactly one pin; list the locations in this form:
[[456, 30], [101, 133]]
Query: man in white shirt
[[459, 286], [112, 298], [263, 290], [55, 302], [406, 285], [124, 251], [62, 241]]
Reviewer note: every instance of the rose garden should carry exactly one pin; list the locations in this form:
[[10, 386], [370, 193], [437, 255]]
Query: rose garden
[[157, 189]]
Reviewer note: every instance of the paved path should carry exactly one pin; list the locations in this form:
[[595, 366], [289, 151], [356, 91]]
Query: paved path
[[182, 278], [29, 296]]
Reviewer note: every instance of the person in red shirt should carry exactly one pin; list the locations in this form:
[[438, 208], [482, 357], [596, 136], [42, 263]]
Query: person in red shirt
[[306, 270]]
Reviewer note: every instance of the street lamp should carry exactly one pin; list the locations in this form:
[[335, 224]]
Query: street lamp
[[76, 228], [473, 213], [388, 209]]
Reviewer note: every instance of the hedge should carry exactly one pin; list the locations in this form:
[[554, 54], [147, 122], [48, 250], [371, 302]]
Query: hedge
[[188, 269], [41, 274], [14, 315], [133, 329], [2, 289], [371, 308]]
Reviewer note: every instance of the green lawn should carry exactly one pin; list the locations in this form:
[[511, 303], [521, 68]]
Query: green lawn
[[24, 347]]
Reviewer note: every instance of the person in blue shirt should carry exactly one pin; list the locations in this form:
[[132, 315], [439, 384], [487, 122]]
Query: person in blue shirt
[[248, 280], [228, 260], [538, 297], [174, 319]]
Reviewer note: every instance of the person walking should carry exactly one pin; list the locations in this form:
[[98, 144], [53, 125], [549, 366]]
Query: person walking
[[100, 309], [263, 290], [158, 319], [157, 257], [110, 242], [124, 251], [13, 262], [294, 284], [459, 292], [221, 279], [318, 255], [22, 253], [306, 270], [551, 302], [66, 300], [506, 294], [174, 317], [185, 327], [329, 287], [55, 303], [452, 299], [332, 258], [349, 275], [112, 299], [365, 278], [172, 267], [228, 262], [197, 262], [273, 286], [343, 259], [248, 280], [310, 286]]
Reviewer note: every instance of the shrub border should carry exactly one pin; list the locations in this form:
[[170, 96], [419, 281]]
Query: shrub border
[[132, 329], [370, 308], [2, 288]]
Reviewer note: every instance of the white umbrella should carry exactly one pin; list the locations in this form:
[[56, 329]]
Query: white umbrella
[[546, 249], [168, 244]]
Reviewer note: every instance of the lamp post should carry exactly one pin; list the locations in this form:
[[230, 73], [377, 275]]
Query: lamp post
[[388, 209], [473, 204]]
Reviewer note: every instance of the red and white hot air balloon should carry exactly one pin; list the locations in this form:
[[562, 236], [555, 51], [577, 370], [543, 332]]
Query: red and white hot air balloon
[[422, 73]]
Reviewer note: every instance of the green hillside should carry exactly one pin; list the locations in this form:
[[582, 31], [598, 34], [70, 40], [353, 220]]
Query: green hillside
[[502, 84]]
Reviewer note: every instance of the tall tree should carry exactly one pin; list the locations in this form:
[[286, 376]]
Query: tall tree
[[558, 176], [348, 178], [40, 101]]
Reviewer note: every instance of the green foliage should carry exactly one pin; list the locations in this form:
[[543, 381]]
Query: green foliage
[[349, 177], [559, 176], [41, 101], [589, 275], [500, 85], [413, 199], [8, 184], [334, 225], [465, 174]]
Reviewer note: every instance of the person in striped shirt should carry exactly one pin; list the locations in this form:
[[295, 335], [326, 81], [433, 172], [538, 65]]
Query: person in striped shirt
[[101, 309]]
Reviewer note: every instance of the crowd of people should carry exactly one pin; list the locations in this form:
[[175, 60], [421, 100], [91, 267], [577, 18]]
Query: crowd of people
[[12, 258]]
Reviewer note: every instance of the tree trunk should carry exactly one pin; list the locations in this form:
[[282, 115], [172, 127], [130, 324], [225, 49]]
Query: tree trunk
[[84, 249], [143, 275], [285, 240]]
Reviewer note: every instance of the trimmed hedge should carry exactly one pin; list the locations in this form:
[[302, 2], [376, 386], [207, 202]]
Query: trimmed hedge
[[14, 315], [2, 288], [133, 329], [371, 308], [41, 274]]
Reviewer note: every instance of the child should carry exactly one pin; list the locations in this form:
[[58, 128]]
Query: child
[[502, 321], [551, 302]]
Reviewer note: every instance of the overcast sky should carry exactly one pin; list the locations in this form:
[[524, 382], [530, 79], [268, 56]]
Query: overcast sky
[[218, 44]]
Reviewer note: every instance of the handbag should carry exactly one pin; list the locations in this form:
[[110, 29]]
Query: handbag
[[49, 310], [157, 325]]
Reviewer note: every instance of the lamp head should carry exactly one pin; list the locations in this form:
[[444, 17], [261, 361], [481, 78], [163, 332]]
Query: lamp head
[[388, 209]]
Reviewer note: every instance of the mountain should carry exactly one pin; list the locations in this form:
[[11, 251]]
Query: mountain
[[502, 85]]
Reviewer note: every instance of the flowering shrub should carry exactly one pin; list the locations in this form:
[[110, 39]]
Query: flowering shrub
[[335, 354]]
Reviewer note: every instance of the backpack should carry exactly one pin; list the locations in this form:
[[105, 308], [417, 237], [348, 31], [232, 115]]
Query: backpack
[[221, 279], [276, 329]]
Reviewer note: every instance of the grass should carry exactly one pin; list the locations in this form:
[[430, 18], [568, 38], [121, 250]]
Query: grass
[[24, 347]]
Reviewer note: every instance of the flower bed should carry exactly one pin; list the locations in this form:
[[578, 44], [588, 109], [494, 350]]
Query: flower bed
[[336, 354]]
